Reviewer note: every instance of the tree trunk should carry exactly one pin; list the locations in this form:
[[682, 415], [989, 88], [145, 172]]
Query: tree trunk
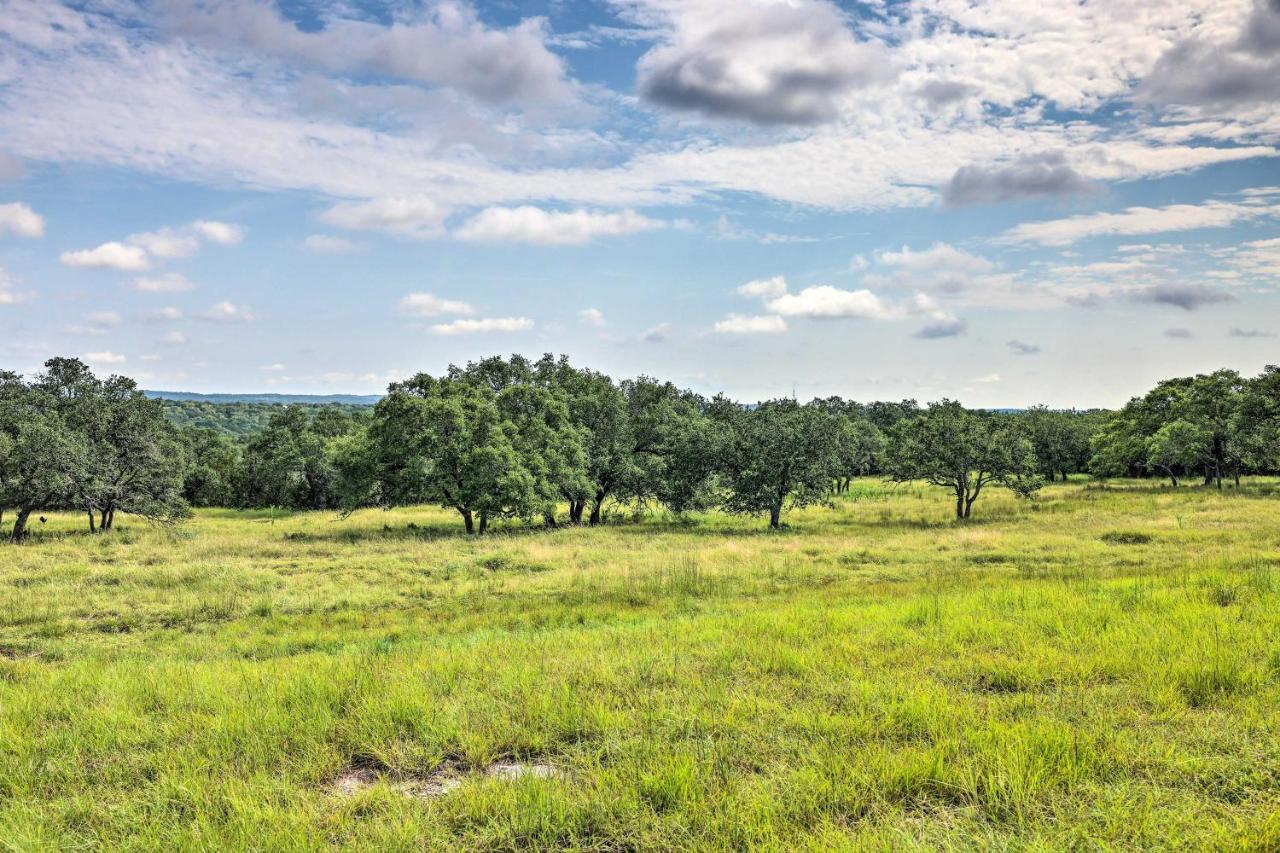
[[959, 504], [111, 519], [19, 531], [595, 510], [549, 520], [467, 520], [484, 522], [88, 508], [775, 516], [575, 511], [1174, 480], [968, 505]]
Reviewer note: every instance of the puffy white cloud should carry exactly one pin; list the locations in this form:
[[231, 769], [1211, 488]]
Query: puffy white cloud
[[1137, 220], [226, 312], [222, 233], [19, 219], [826, 301], [167, 283], [327, 244], [173, 339], [764, 288], [740, 324], [416, 216], [486, 324], [938, 257], [430, 305], [104, 358], [592, 317], [540, 227], [103, 320], [166, 243], [109, 256]]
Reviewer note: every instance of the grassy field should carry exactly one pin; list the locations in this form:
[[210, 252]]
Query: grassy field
[[1097, 669]]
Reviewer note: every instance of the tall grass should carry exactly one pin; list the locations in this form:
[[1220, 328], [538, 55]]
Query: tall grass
[[874, 676]]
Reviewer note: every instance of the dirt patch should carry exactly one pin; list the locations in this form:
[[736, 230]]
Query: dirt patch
[[438, 782], [512, 770]]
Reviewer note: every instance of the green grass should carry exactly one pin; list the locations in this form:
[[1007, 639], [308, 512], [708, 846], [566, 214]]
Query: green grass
[[1097, 669]]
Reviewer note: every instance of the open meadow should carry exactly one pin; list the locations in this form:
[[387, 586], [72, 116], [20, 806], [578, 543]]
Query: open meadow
[[1096, 668]]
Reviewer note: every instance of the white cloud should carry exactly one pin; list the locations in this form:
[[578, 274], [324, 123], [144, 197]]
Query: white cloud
[[739, 324], [416, 216], [104, 358], [222, 233], [1137, 220], [167, 283], [826, 301], [540, 227], [173, 339], [273, 368], [988, 379], [18, 219], [108, 256], [95, 90], [764, 288], [486, 324], [166, 243], [327, 244], [592, 316], [939, 256], [183, 242], [430, 305], [227, 312]]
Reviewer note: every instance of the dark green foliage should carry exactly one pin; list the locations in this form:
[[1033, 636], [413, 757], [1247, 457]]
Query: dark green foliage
[[523, 439], [71, 440], [964, 451], [781, 454], [1216, 425]]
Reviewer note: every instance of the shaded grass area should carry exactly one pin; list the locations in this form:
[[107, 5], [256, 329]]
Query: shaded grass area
[[1099, 668]]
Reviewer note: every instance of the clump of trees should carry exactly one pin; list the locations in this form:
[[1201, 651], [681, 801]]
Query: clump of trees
[[547, 442], [1215, 426], [69, 440]]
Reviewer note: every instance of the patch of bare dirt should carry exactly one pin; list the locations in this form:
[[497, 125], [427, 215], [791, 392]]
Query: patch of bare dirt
[[438, 782]]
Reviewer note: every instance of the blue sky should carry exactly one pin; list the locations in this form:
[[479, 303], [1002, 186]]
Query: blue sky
[[1006, 202]]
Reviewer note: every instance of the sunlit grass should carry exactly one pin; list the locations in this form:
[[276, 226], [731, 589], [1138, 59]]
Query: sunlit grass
[[1098, 668]]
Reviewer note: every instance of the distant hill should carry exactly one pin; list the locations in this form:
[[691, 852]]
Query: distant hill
[[270, 399]]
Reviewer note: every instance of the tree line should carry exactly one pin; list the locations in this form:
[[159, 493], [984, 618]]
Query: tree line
[[550, 443]]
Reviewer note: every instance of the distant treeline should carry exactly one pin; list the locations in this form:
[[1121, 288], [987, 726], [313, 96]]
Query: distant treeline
[[240, 418], [550, 443]]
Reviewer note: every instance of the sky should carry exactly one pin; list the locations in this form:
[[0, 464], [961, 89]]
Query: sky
[[1007, 202]]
